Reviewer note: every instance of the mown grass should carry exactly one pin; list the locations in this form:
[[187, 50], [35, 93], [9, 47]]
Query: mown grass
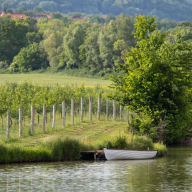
[[52, 79], [67, 143]]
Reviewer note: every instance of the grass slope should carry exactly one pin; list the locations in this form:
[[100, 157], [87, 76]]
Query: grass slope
[[51, 79], [92, 132]]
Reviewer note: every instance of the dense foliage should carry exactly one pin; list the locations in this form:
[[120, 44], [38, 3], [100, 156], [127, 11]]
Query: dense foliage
[[157, 83], [179, 10], [32, 44], [13, 96], [58, 43]]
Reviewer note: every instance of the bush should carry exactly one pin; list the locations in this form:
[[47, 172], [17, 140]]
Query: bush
[[64, 148]]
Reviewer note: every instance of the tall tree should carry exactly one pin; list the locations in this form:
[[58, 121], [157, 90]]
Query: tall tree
[[157, 81], [89, 51], [12, 38], [120, 29], [29, 58], [72, 42]]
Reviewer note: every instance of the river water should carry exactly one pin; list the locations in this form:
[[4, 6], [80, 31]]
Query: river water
[[171, 173]]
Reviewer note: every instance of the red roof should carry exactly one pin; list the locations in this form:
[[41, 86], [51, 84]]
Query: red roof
[[14, 15], [48, 15], [75, 17]]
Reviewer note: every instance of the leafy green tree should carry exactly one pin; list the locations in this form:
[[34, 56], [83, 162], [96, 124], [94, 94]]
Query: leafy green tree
[[53, 33], [56, 15], [165, 24], [29, 58], [34, 37], [12, 38], [157, 82], [106, 49], [48, 26], [120, 29], [185, 28], [90, 53], [72, 42], [97, 19], [120, 47], [38, 10], [9, 11], [21, 9], [53, 47], [109, 18]]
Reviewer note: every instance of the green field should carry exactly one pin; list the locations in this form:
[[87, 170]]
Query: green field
[[51, 79], [55, 144], [92, 132]]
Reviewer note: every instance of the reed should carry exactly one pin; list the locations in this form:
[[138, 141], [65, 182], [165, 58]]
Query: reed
[[17, 154], [161, 149], [64, 148]]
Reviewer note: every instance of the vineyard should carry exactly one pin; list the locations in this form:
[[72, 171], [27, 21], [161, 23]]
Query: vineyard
[[45, 107], [14, 96]]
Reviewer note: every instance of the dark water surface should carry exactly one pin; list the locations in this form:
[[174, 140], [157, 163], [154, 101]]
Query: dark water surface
[[171, 173]]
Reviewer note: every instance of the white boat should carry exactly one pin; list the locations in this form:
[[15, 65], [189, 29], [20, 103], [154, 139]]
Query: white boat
[[123, 154]]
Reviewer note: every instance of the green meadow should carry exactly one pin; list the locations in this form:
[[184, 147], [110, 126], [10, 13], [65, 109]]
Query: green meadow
[[62, 143], [52, 79], [66, 143]]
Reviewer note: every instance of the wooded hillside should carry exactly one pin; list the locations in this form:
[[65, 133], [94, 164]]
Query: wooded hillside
[[179, 10]]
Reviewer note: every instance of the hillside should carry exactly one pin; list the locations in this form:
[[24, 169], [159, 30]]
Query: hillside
[[178, 10]]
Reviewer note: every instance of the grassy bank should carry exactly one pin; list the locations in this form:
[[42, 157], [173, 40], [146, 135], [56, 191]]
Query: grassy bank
[[67, 143]]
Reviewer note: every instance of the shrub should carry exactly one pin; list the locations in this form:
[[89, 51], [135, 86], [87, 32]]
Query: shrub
[[64, 148]]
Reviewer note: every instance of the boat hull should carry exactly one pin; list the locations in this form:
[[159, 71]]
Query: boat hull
[[123, 154]]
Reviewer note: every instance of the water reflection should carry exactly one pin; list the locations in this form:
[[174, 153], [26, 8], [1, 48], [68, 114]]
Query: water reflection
[[172, 173]]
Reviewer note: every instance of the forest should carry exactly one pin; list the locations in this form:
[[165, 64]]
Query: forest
[[95, 44], [179, 10]]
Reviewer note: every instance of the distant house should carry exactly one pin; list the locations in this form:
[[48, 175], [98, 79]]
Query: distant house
[[105, 16], [75, 17], [36, 16], [14, 15], [48, 15]]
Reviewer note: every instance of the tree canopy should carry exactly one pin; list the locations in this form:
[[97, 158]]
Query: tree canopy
[[157, 82]]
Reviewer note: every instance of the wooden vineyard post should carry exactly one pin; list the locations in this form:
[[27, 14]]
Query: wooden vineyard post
[[107, 109], [54, 113], [81, 109], [114, 109], [44, 117], [20, 121], [121, 109], [99, 108], [128, 116], [32, 118], [2, 121], [72, 110], [90, 108], [8, 123], [63, 113]]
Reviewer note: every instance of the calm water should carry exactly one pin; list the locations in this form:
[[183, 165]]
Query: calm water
[[172, 173]]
